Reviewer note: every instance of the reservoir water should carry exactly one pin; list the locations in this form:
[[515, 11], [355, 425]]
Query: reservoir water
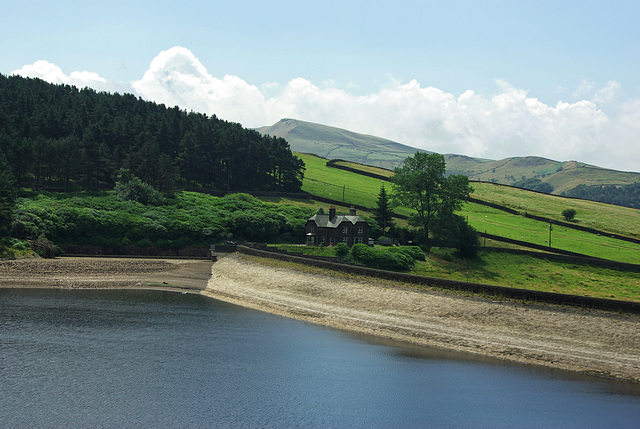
[[164, 359]]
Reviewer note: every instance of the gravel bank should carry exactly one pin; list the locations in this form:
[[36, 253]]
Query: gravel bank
[[595, 342], [105, 273]]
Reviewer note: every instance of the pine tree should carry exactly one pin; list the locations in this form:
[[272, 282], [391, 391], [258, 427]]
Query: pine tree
[[383, 213], [7, 194]]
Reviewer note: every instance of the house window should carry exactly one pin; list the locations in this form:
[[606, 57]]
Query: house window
[[345, 229], [358, 239], [360, 231], [345, 240], [312, 230]]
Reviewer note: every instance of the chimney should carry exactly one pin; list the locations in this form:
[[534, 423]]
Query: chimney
[[352, 211], [332, 213]]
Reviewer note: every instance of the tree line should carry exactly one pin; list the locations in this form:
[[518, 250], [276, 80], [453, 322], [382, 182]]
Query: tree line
[[59, 137], [624, 195]]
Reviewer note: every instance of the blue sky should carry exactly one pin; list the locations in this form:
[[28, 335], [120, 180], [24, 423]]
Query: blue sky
[[491, 79]]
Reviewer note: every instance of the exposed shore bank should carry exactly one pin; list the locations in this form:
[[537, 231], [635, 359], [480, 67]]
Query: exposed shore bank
[[596, 342], [589, 341], [100, 273]]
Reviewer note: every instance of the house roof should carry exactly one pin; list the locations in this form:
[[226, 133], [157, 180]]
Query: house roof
[[322, 220]]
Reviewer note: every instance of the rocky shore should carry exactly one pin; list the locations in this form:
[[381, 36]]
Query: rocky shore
[[595, 342]]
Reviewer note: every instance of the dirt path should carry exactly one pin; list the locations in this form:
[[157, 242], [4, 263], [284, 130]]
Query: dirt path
[[596, 342]]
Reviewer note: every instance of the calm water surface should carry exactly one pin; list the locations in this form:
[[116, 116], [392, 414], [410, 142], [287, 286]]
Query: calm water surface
[[163, 359]]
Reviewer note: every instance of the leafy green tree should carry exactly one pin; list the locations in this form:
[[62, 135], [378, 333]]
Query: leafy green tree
[[569, 214], [420, 183], [383, 213]]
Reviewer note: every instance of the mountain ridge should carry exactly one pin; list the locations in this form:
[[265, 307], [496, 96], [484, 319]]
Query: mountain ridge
[[525, 171]]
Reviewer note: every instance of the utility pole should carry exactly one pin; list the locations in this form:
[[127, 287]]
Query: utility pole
[[550, 228], [343, 186]]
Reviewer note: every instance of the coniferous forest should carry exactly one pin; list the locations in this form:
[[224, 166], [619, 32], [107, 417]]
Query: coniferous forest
[[61, 138], [625, 195]]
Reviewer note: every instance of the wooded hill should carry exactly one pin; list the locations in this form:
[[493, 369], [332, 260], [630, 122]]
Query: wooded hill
[[59, 137], [569, 178]]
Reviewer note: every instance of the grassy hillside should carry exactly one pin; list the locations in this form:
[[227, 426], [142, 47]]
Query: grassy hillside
[[352, 188], [526, 272], [604, 217], [336, 143]]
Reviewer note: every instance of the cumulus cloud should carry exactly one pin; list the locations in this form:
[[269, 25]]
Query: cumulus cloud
[[595, 128], [52, 73], [177, 78]]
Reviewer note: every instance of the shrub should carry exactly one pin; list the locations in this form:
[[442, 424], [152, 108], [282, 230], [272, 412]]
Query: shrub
[[569, 214], [342, 250], [134, 189], [414, 252], [394, 261], [381, 259]]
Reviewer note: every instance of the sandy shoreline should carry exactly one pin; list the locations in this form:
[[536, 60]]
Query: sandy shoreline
[[588, 341]]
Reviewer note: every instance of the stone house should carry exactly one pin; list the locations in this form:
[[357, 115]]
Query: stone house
[[331, 229]]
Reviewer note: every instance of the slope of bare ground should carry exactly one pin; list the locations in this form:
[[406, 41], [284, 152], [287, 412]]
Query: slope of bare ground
[[595, 342]]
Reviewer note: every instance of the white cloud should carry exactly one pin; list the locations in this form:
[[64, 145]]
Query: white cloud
[[597, 128], [52, 73], [608, 93], [177, 77]]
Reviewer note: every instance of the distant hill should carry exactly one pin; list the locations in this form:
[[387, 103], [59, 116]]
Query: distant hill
[[336, 143], [530, 172]]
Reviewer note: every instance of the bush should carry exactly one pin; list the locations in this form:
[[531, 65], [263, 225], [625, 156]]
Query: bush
[[394, 261], [21, 245], [134, 189], [188, 219], [414, 252], [342, 250], [569, 214], [381, 259]]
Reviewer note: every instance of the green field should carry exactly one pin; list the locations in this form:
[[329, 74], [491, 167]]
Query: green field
[[352, 188], [604, 217], [526, 272]]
